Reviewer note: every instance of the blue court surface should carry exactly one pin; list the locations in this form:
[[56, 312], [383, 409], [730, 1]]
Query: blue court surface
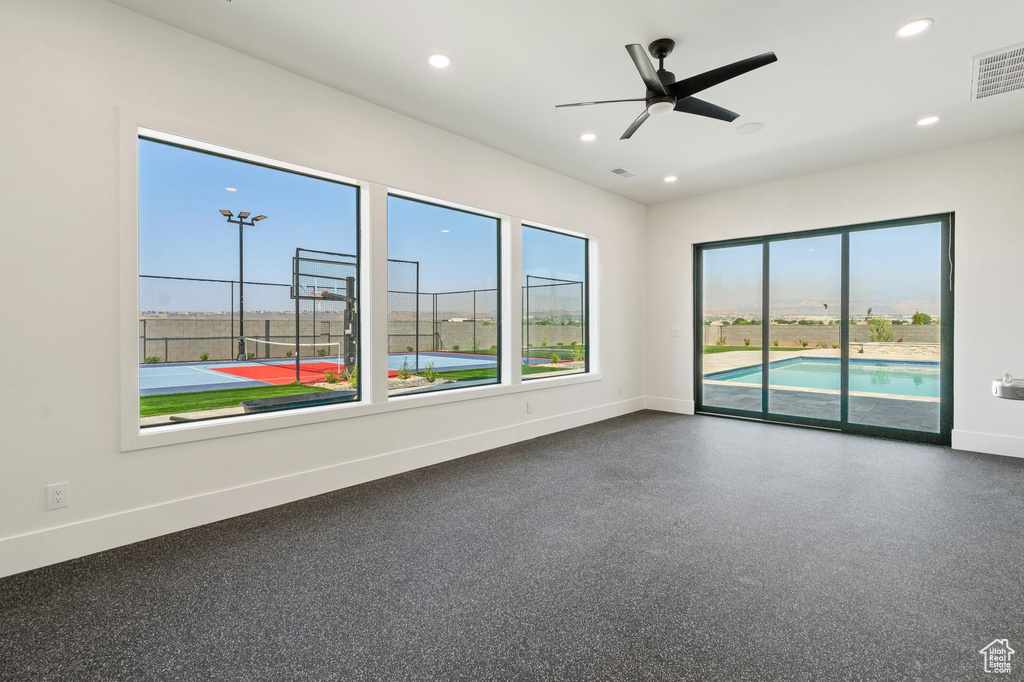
[[442, 361], [187, 377]]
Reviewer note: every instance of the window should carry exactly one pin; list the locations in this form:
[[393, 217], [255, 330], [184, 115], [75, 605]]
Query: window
[[444, 303], [554, 303], [847, 328], [248, 287]]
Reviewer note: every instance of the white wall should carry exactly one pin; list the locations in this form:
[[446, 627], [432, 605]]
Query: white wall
[[67, 66], [982, 183]]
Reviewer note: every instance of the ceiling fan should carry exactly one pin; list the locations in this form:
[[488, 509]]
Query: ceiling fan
[[665, 94]]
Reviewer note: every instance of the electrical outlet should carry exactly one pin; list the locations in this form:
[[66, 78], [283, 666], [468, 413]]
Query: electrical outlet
[[529, 407], [677, 332], [56, 496]]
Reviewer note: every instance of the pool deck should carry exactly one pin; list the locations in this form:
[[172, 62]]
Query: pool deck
[[902, 412]]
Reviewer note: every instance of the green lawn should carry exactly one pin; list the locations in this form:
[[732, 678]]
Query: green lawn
[[175, 403], [535, 350], [708, 350], [490, 373]]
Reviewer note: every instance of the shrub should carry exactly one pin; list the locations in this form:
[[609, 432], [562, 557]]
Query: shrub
[[289, 353], [429, 373], [579, 353], [455, 348], [331, 377], [740, 320], [720, 341], [559, 344], [408, 349], [881, 330], [153, 359], [322, 353], [571, 343], [746, 342], [404, 372], [352, 376], [544, 341], [775, 343], [920, 318], [802, 342], [494, 348], [554, 358], [899, 340], [204, 356], [250, 356], [835, 345]]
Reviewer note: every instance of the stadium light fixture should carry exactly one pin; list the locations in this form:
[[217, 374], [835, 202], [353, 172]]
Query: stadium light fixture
[[242, 223]]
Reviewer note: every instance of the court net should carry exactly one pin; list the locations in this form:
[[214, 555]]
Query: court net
[[305, 361]]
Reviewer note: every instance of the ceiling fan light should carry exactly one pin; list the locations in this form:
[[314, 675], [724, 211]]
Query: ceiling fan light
[[661, 108]]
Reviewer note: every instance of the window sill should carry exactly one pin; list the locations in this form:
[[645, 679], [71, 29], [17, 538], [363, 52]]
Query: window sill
[[160, 436]]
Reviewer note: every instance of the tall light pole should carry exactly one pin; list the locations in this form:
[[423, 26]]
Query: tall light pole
[[242, 223]]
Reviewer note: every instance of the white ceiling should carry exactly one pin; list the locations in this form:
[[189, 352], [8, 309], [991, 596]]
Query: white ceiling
[[844, 91]]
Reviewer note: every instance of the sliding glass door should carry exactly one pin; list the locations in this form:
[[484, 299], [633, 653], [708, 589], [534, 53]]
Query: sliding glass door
[[896, 327], [804, 374], [852, 324], [730, 332]]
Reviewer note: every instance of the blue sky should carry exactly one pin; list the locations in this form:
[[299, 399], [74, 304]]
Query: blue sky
[[549, 254], [182, 234], [893, 270], [463, 257]]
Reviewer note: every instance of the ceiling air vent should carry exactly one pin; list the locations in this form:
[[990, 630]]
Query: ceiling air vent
[[998, 72], [623, 173]]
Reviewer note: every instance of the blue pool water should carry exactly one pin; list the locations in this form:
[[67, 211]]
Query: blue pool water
[[910, 378]]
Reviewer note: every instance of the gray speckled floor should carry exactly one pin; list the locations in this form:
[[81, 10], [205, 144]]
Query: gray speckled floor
[[649, 547]]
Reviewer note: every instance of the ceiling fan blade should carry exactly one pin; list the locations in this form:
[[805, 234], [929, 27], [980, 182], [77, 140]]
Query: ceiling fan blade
[[692, 105], [694, 84], [636, 124], [646, 68], [603, 101]]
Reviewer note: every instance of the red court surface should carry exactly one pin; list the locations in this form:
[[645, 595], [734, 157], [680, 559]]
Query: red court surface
[[311, 372]]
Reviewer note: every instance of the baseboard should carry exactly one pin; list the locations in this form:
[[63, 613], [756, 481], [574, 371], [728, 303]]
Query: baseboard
[[53, 545], [670, 405], [991, 443]]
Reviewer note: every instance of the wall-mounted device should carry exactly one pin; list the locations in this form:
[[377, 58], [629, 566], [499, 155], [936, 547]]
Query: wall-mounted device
[[1008, 387]]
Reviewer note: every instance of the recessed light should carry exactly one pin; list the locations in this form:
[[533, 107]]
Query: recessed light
[[446, 230], [670, 178], [588, 137], [231, 189], [928, 121], [440, 61], [913, 28], [749, 128]]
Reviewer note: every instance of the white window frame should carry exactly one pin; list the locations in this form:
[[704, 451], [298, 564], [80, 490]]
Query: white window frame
[[373, 278]]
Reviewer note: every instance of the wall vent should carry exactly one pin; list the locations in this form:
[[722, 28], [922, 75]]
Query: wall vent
[[998, 72], [623, 173]]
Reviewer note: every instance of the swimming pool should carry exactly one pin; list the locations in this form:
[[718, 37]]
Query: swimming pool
[[905, 377]]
